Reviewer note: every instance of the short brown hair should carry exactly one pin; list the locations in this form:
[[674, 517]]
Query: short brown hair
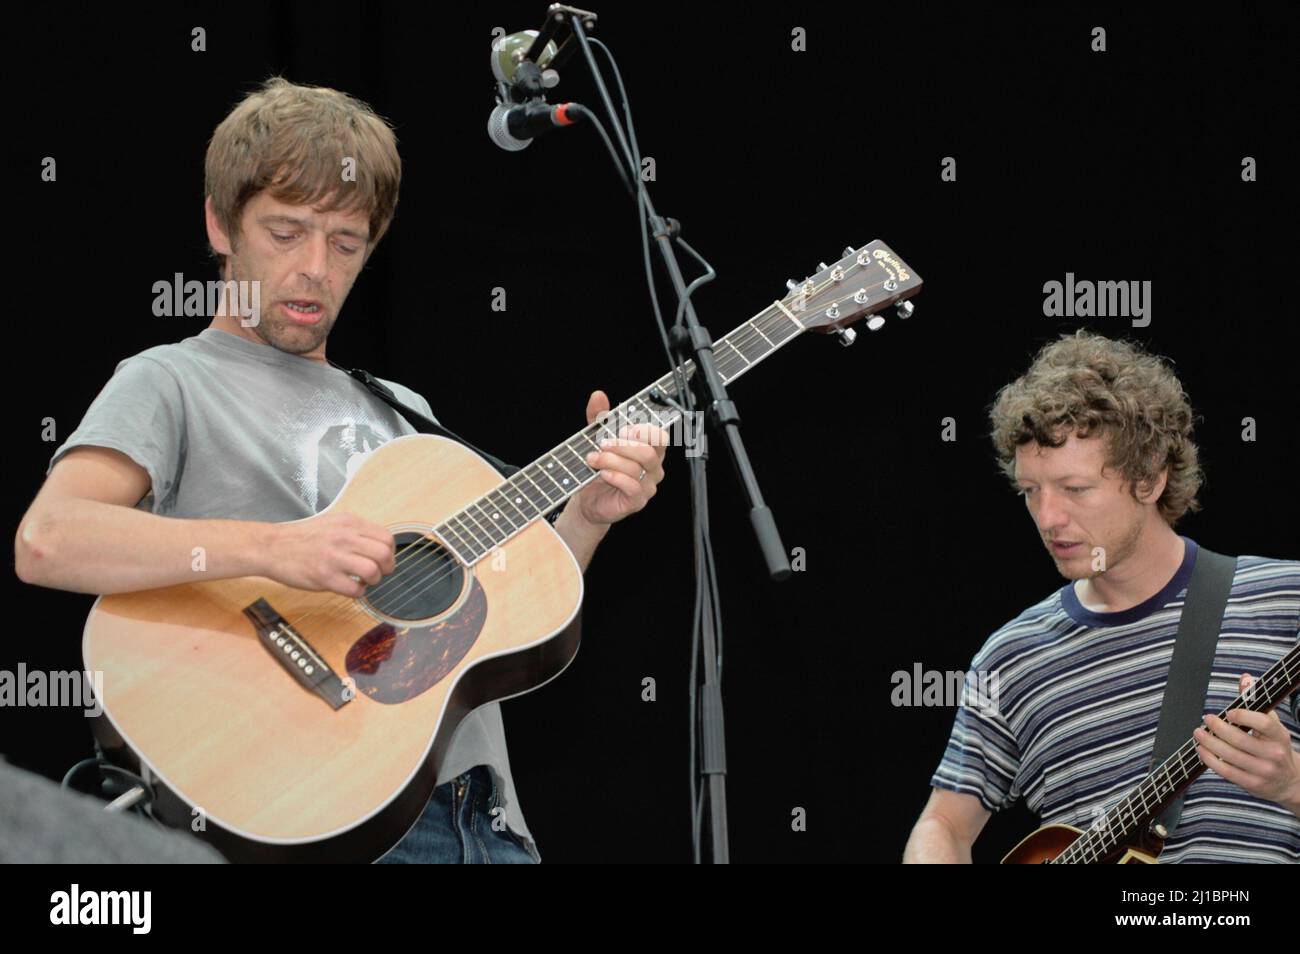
[[1084, 383], [293, 140]]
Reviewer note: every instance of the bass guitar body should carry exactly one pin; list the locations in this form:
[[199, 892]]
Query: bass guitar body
[[1050, 841], [288, 725]]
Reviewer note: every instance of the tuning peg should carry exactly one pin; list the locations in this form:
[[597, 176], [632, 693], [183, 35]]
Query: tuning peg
[[848, 250], [847, 336], [905, 309], [875, 323], [822, 266], [791, 284]]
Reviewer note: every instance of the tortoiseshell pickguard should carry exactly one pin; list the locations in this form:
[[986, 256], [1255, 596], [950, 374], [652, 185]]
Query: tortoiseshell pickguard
[[389, 667]]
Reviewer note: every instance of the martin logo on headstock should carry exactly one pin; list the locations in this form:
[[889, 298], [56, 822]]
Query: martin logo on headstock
[[863, 283]]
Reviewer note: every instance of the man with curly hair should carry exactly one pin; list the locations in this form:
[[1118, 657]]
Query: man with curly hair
[[1097, 437]]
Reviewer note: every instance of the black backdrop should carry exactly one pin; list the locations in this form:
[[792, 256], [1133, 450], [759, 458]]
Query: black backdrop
[[1122, 165]]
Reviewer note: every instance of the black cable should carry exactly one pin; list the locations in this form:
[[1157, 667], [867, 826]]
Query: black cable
[[609, 146], [75, 769]]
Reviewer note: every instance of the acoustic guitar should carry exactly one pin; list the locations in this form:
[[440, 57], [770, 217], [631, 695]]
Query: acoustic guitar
[[287, 725], [1130, 833]]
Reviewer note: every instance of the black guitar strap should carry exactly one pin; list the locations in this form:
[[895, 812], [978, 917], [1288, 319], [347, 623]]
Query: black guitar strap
[[1189, 671], [421, 423]]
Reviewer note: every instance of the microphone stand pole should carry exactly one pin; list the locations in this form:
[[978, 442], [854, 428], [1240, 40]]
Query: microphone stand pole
[[724, 418]]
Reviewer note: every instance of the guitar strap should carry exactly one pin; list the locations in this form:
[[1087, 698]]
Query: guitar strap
[[1189, 671], [421, 423]]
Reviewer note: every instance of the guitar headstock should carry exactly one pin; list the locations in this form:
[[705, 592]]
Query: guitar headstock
[[863, 283]]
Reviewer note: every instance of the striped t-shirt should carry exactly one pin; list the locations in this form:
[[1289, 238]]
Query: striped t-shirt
[[1078, 701]]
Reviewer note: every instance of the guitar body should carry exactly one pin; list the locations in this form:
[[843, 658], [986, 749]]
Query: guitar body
[[1049, 841], [208, 710]]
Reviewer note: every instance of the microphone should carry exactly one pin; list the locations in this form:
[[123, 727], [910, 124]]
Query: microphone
[[522, 112], [514, 127]]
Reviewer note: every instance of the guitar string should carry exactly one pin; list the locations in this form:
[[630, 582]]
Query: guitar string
[[1185, 759], [426, 549], [1094, 842], [418, 556], [415, 557], [734, 361], [738, 352], [728, 364], [741, 340]]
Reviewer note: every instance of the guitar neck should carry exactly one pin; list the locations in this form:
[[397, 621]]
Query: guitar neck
[[863, 282], [557, 475], [1147, 800]]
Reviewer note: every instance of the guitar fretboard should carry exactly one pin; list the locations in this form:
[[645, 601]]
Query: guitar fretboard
[[1125, 821], [553, 478]]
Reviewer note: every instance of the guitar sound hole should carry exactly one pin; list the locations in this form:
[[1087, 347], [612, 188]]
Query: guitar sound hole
[[426, 581]]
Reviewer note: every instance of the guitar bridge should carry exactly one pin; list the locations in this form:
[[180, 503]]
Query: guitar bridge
[[296, 655]]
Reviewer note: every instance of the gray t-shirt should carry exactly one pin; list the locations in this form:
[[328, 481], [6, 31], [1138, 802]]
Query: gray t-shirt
[[235, 430]]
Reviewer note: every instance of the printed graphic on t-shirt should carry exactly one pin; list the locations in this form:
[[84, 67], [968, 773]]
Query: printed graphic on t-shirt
[[340, 452], [327, 438]]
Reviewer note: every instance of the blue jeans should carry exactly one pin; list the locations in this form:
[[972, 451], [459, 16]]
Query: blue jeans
[[456, 827]]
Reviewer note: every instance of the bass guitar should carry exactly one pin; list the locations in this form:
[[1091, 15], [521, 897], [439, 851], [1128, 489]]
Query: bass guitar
[[1129, 833]]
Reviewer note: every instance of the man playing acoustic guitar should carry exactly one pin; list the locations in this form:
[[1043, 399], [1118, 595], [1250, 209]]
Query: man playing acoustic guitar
[[1097, 438], [233, 437]]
